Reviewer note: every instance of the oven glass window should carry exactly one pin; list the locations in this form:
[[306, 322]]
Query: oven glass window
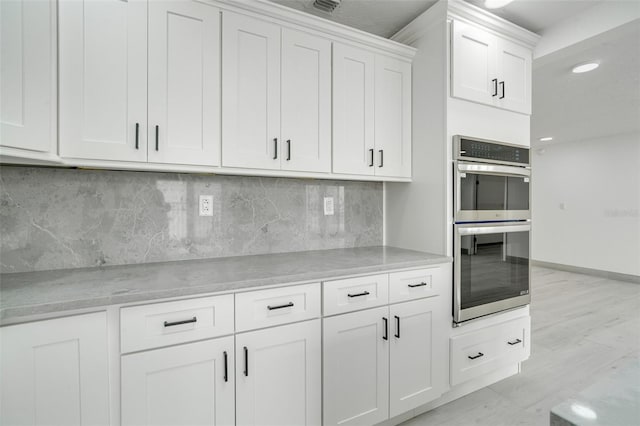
[[492, 192], [493, 267]]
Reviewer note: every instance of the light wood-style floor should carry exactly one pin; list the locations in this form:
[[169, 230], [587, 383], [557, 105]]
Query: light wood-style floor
[[583, 328]]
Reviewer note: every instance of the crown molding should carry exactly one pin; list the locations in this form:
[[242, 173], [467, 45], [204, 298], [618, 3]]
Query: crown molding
[[306, 22]]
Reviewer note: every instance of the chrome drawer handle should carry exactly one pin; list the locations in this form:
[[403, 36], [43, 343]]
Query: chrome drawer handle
[[286, 305], [480, 354], [364, 293], [515, 342], [171, 324], [416, 285]]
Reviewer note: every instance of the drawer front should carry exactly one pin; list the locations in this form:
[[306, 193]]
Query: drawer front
[[266, 308], [410, 285], [169, 323], [355, 293], [482, 351]]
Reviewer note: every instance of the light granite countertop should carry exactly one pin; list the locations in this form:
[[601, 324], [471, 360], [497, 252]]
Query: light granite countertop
[[37, 295]]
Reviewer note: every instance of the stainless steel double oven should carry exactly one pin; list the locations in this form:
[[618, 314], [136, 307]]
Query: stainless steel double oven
[[492, 227]]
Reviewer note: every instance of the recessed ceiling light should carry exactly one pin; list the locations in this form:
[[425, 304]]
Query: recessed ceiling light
[[589, 66], [546, 139], [496, 4]]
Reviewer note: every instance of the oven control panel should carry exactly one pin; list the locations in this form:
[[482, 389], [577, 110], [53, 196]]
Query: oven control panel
[[479, 150]]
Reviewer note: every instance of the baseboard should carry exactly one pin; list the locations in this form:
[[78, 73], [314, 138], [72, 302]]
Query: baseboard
[[588, 271]]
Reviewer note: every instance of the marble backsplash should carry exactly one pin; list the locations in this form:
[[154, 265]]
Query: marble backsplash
[[63, 218]]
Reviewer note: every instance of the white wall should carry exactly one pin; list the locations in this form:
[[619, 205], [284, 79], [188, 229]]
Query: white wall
[[586, 203]]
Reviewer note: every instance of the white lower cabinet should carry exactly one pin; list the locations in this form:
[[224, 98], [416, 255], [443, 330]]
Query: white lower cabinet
[[55, 372], [278, 379], [191, 384], [382, 362], [356, 367]]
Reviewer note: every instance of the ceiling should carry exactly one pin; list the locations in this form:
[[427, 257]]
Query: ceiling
[[386, 17], [603, 102]]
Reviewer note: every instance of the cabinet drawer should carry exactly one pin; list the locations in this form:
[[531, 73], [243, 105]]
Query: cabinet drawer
[[409, 285], [355, 293], [169, 323], [481, 351], [266, 308]]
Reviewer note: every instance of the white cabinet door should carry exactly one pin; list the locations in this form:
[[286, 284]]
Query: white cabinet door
[[353, 110], [306, 102], [473, 70], [184, 83], [27, 74], [250, 92], [55, 372], [393, 117], [416, 354], [514, 63], [278, 375], [356, 368], [189, 384], [103, 79]]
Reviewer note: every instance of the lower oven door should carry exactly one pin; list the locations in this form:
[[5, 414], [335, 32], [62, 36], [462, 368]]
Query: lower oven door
[[492, 268]]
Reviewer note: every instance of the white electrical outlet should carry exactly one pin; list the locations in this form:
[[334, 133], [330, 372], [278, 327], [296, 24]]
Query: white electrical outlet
[[328, 206], [206, 205]]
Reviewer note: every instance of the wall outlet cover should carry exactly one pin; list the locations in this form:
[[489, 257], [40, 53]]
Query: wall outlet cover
[[206, 205], [328, 206]]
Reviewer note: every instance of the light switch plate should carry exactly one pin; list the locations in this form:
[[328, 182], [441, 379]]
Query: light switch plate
[[206, 205], [328, 206]]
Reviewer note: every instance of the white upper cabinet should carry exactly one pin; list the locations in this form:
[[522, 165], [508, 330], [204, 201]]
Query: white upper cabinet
[[306, 102], [489, 69], [515, 63], [353, 110], [250, 92], [393, 117], [27, 75], [103, 79], [55, 372], [184, 89]]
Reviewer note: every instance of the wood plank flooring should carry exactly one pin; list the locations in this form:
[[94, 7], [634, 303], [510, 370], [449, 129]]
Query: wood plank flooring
[[583, 328]]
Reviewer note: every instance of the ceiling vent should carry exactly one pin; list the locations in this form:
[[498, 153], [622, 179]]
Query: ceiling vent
[[327, 6]]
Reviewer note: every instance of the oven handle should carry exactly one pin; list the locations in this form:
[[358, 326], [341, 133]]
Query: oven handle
[[492, 229], [491, 169]]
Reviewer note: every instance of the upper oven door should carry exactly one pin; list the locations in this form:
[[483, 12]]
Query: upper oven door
[[488, 192]]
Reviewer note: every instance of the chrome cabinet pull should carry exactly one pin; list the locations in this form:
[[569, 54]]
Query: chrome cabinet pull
[[417, 285], [275, 149], [137, 133], [364, 293], [397, 326], [502, 85], [286, 305], [246, 361], [495, 87], [171, 324], [226, 366], [385, 336], [515, 342], [480, 354], [372, 155]]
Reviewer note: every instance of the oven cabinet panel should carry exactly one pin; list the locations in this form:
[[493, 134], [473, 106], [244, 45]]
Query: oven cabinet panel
[[55, 372], [480, 352], [418, 353], [278, 375], [515, 65], [189, 384], [27, 80], [184, 83], [356, 367]]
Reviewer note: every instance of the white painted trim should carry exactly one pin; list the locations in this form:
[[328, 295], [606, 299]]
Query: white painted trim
[[296, 19], [461, 10]]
